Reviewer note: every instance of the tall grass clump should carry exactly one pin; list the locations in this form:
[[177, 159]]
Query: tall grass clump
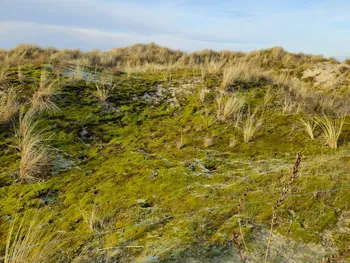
[[331, 129], [20, 74], [21, 237], [251, 125], [34, 162], [229, 107], [214, 67], [4, 73], [241, 72], [42, 99], [77, 73], [9, 104], [309, 125], [202, 94], [90, 218], [102, 92]]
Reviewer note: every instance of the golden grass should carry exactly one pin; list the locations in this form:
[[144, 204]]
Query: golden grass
[[90, 218], [42, 99], [4, 73], [141, 54], [21, 237], [251, 125], [77, 73], [309, 125], [202, 93], [208, 141], [214, 67], [229, 107], [241, 72], [102, 92], [9, 104], [20, 74], [331, 129], [268, 96], [34, 160], [233, 142], [181, 143]]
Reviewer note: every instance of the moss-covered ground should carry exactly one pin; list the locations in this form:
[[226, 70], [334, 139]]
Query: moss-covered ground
[[153, 200]]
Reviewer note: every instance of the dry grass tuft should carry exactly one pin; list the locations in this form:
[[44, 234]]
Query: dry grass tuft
[[229, 107], [202, 94], [34, 160], [9, 104], [4, 73], [208, 141], [77, 73], [214, 67], [241, 72], [331, 129], [233, 142], [102, 92], [20, 74], [251, 125], [43, 97], [181, 143], [90, 218], [21, 237], [309, 125]]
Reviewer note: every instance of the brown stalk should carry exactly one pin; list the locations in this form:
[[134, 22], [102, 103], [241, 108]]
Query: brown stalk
[[286, 189]]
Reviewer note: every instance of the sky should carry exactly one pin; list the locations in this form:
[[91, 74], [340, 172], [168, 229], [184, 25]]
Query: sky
[[309, 26]]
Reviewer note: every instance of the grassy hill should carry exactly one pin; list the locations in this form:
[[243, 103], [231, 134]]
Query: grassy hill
[[145, 154]]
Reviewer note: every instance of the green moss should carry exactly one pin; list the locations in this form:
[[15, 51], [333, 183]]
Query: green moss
[[127, 163]]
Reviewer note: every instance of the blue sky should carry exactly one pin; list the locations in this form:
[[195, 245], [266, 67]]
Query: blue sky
[[319, 27]]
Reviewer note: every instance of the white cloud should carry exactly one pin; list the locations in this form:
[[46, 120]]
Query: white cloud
[[47, 35], [316, 28]]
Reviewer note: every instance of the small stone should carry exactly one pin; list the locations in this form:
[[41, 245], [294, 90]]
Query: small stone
[[153, 174]]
